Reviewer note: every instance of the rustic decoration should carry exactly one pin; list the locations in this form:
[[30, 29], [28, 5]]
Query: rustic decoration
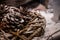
[[20, 24]]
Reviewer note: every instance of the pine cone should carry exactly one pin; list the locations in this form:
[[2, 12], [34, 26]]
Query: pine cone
[[22, 23]]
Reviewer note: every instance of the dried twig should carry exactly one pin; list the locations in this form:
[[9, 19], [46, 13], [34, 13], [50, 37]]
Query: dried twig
[[4, 34]]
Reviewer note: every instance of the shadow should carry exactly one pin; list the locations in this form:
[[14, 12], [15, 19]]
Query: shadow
[[56, 38], [31, 4], [34, 3]]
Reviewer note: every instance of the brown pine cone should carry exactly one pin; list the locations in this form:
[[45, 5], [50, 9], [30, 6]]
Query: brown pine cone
[[22, 24]]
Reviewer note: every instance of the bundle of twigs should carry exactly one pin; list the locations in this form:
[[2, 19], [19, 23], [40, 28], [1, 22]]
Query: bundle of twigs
[[20, 24]]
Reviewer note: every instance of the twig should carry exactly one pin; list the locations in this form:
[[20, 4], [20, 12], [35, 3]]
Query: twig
[[53, 34], [34, 33], [4, 35]]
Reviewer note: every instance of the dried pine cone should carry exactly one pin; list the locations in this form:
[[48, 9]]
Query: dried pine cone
[[22, 23]]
